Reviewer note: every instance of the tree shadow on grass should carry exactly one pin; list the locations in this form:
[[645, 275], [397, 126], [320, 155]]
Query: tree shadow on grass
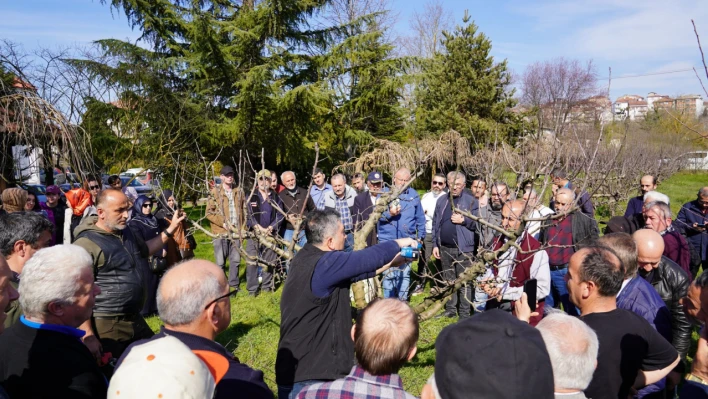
[[231, 337]]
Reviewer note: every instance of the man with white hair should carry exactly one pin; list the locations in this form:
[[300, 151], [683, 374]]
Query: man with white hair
[[193, 301], [341, 199], [658, 217], [655, 196], [573, 360], [42, 356]]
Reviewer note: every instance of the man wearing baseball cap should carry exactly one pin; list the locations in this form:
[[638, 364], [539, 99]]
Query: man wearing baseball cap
[[490, 355], [224, 211], [364, 205], [55, 210], [263, 218]]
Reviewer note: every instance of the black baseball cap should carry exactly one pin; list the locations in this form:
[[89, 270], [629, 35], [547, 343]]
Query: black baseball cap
[[226, 170], [492, 355]]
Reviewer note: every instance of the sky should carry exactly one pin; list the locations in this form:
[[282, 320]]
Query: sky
[[646, 37]]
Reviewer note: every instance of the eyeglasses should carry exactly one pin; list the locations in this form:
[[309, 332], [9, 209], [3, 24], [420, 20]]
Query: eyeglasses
[[147, 205], [438, 183], [232, 293], [94, 187]]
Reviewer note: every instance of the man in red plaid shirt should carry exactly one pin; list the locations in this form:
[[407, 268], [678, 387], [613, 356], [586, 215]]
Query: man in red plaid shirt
[[385, 336]]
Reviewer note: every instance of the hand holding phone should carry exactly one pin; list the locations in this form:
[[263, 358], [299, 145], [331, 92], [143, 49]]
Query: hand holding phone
[[530, 288]]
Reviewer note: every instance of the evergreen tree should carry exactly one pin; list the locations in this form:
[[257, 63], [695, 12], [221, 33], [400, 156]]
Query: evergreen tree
[[464, 89]]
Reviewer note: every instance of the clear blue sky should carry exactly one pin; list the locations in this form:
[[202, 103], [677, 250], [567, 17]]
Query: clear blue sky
[[632, 37]]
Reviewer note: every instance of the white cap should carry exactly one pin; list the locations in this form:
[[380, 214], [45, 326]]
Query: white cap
[[162, 368]]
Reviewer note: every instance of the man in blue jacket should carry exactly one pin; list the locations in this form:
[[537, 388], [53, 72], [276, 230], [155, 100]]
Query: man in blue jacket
[[404, 219], [453, 240], [691, 221]]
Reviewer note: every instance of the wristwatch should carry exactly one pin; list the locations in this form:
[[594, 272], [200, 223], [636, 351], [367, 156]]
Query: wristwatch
[[169, 235]]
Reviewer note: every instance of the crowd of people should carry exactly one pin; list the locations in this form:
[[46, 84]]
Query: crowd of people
[[613, 314]]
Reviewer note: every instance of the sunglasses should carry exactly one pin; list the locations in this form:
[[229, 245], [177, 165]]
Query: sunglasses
[[147, 205], [438, 183], [94, 187], [232, 293]]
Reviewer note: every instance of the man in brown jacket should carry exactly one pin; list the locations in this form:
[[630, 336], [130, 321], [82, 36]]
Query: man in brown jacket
[[225, 213]]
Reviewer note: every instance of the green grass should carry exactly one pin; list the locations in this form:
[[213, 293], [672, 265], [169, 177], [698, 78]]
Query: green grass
[[254, 331], [255, 327]]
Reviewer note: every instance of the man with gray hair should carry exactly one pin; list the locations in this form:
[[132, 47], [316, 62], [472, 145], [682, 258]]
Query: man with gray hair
[[572, 347], [42, 356], [657, 216], [560, 178], [297, 203], [315, 303], [194, 303], [651, 196], [22, 234], [341, 199], [499, 195]]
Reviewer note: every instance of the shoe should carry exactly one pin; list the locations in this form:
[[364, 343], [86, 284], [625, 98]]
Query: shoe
[[418, 291], [253, 294], [449, 315]]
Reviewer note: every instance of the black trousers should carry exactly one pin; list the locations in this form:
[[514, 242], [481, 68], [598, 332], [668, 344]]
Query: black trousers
[[455, 262]]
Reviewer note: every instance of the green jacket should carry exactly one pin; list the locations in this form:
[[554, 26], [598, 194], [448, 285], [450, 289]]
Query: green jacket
[[13, 310]]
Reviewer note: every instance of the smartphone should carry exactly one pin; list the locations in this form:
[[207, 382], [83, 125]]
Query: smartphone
[[701, 226], [530, 288]]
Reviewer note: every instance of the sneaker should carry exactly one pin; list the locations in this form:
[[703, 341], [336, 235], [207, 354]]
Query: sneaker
[[446, 314], [260, 279], [418, 291]]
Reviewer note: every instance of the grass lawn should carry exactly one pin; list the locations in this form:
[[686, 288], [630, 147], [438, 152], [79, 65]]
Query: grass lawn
[[254, 331]]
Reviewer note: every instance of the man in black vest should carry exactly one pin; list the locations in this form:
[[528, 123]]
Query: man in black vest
[[119, 264], [316, 320]]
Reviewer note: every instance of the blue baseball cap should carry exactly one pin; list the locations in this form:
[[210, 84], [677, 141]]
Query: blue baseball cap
[[374, 177]]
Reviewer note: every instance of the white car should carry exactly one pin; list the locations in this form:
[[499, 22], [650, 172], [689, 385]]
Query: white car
[[695, 160]]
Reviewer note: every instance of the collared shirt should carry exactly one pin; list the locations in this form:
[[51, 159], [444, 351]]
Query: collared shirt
[[539, 271], [342, 206], [358, 385], [534, 227], [232, 207], [428, 202], [560, 241], [71, 331], [318, 195]]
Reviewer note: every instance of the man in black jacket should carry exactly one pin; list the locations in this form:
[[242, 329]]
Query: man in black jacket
[[562, 237], [42, 356], [194, 304], [364, 204], [670, 281], [263, 219], [293, 198], [315, 310]]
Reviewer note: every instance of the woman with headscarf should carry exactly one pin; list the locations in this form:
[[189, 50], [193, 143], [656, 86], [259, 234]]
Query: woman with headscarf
[[180, 246], [144, 224]]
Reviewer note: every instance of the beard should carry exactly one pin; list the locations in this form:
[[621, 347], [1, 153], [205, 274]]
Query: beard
[[497, 206], [116, 226]]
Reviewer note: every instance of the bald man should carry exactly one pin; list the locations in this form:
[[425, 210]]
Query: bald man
[[562, 237], [385, 337], [194, 303], [516, 267], [119, 264], [669, 280], [634, 206], [405, 218]]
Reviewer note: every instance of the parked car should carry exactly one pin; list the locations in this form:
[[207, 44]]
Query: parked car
[[140, 188], [694, 160], [144, 175]]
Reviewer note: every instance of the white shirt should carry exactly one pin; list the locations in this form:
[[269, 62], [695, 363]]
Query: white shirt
[[535, 227], [539, 270], [624, 284], [428, 201]]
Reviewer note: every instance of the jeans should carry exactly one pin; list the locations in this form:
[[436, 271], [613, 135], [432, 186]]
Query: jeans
[[268, 255], [291, 391], [396, 282], [302, 240], [349, 242], [455, 262], [559, 290], [480, 300], [693, 390], [228, 249]]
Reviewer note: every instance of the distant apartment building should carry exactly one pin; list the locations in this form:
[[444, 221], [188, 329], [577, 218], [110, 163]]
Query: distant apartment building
[[630, 106], [635, 107]]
